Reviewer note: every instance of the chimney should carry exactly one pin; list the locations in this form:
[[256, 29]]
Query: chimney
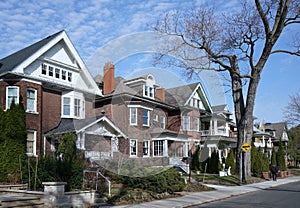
[[108, 78], [161, 94]]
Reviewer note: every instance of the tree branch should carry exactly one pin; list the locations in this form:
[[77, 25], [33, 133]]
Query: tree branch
[[296, 53]]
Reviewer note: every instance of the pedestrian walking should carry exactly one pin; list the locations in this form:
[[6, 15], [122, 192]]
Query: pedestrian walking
[[274, 172]]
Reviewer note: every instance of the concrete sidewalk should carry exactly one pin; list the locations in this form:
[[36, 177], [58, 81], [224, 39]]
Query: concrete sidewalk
[[221, 192]]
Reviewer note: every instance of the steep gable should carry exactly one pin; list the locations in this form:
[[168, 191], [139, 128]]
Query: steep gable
[[53, 60], [182, 96]]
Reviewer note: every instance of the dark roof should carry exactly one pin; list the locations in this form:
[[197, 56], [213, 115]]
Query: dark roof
[[178, 96], [68, 125], [218, 108], [13, 60], [279, 128]]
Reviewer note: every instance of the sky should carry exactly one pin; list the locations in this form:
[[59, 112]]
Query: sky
[[120, 32]]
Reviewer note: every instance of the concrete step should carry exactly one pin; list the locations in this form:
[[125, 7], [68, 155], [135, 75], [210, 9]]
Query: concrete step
[[20, 201]]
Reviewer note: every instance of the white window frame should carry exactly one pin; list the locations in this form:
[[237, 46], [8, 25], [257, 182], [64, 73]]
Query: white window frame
[[77, 107], [144, 117], [63, 106], [158, 148], [44, 69], [146, 146], [148, 91], [17, 96], [33, 141], [155, 117], [186, 123], [162, 122], [133, 116], [34, 110], [196, 121], [132, 152], [51, 70]]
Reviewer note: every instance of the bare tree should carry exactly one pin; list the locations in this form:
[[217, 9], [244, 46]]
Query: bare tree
[[292, 110], [237, 43]]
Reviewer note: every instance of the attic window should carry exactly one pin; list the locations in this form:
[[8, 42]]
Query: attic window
[[59, 73], [44, 69]]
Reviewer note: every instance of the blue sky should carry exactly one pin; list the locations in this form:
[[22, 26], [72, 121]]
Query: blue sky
[[98, 28]]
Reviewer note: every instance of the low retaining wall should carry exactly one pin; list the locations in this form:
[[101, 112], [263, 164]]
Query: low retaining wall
[[54, 195]]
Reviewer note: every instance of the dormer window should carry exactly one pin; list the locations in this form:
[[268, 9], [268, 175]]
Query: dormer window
[[148, 91]]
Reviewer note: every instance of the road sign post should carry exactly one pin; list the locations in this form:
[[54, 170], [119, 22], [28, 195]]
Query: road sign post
[[245, 148]]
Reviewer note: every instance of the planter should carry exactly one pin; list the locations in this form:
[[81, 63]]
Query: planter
[[282, 174], [266, 175]]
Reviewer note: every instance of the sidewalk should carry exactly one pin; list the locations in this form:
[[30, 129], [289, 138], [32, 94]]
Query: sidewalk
[[221, 192]]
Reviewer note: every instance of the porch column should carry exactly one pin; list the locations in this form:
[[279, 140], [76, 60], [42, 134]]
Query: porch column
[[165, 148], [114, 144], [215, 127], [186, 149], [211, 127]]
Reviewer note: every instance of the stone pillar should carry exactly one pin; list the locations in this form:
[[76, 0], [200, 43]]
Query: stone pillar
[[54, 193]]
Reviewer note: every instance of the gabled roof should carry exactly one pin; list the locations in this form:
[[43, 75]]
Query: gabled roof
[[279, 129], [10, 62], [70, 125], [179, 96], [17, 63]]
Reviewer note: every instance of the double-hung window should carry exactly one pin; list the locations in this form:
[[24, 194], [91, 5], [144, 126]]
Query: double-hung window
[[133, 116], [158, 148], [66, 106], [196, 124], [146, 148], [77, 107], [44, 69], [12, 94], [133, 147], [57, 73], [31, 98], [186, 123], [31, 143], [146, 113], [162, 121]]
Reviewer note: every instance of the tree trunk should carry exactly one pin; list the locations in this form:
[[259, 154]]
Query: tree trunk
[[243, 114]]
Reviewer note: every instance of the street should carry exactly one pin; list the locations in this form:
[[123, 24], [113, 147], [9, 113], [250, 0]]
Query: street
[[281, 196]]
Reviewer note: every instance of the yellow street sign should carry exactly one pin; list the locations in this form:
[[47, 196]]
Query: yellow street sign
[[246, 147]]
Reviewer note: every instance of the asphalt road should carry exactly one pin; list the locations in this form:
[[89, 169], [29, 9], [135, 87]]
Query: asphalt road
[[286, 196]]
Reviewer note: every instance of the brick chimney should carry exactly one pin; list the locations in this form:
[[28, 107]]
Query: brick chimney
[[108, 78], [161, 94]]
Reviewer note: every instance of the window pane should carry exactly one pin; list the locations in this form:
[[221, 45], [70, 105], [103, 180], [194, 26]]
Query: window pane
[[162, 122], [133, 116], [63, 74], [50, 71], [146, 148], [66, 106], [44, 69], [158, 148], [69, 76], [30, 100], [145, 117], [77, 107], [133, 147], [57, 73], [12, 94], [30, 143]]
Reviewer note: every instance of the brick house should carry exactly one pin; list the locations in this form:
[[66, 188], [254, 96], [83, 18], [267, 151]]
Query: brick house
[[52, 82], [136, 120]]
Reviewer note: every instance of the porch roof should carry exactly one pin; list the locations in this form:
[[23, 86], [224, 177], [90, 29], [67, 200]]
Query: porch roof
[[70, 125], [167, 134]]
